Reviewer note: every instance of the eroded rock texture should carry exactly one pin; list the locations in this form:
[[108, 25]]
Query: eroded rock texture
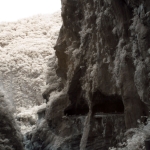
[[103, 56], [66, 133], [10, 136]]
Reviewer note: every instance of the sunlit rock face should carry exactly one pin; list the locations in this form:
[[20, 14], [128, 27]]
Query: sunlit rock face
[[103, 56], [10, 135]]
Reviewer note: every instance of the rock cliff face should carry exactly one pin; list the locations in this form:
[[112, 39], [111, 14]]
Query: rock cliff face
[[10, 135], [103, 56]]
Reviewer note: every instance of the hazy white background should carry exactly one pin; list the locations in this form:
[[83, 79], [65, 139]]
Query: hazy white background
[[12, 10]]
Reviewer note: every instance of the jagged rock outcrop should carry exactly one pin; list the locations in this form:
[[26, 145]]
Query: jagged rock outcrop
[[103, 56], [10, 135]]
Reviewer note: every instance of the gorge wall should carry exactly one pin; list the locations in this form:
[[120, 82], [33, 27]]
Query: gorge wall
[[10, 135], [103, 56], [103, 72]]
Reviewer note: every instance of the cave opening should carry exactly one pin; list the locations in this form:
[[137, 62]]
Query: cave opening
[[77, 109], [78, 104], [107, 104]]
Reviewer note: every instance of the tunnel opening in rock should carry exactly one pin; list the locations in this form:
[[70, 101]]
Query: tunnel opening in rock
[[107, 104]]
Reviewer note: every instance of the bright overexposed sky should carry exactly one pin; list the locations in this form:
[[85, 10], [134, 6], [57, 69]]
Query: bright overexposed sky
[[12, 10]]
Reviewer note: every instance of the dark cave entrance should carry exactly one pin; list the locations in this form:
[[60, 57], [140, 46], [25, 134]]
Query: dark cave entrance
[[107, 104], [77, 108], [101, 104], [78, 104]]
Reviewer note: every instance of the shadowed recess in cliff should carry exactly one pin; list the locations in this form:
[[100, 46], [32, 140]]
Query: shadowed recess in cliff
[[107, 104], [77, 108], [78, 104]]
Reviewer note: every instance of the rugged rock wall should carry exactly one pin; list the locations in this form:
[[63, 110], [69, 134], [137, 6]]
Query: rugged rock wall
[[105, 132], [103, 56], [10, 135]]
